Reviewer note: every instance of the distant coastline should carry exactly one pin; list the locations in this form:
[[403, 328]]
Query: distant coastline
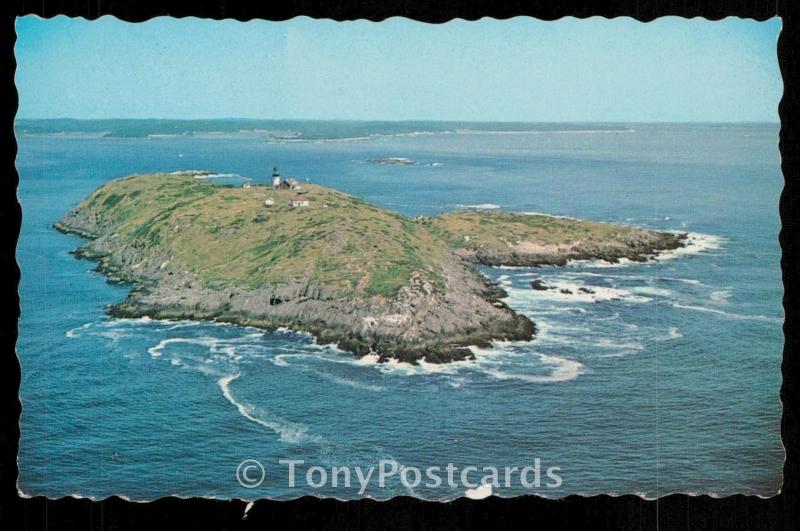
[[291, 130]]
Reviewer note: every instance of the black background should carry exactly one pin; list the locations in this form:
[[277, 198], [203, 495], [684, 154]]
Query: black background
[[599, 512]]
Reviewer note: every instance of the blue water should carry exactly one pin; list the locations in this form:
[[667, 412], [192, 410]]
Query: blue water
[[665, 379]]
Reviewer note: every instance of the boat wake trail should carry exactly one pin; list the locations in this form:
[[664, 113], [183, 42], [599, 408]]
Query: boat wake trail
[[289, 432]]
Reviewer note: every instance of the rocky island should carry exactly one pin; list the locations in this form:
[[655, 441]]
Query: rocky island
[[315, 259]]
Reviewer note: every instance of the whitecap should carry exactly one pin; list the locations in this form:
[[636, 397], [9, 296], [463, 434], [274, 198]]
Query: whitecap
[[720, 296], [280, 360], [672, 333]]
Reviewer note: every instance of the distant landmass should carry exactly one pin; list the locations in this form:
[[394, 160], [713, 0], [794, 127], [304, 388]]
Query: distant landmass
[[315, 259], [282, 130]]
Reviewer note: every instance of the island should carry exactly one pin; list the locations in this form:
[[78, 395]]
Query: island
[[318, 260]]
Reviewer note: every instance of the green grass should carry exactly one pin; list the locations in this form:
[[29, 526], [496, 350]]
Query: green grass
[[496, 230], [226, 236]]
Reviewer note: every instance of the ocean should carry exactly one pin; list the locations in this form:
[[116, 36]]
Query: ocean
[[664, 379]]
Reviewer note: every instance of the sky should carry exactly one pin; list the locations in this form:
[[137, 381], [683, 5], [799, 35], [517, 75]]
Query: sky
[[521, 69]]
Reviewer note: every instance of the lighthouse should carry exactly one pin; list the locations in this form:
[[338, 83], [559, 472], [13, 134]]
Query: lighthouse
[[276, 178]]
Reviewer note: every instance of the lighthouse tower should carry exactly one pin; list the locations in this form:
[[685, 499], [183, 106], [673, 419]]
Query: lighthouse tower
[[276, 178]]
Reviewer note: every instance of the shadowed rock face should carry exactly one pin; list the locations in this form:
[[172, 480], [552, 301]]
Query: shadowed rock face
[[369, 280]]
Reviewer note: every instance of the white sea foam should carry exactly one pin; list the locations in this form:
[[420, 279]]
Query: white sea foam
[[206, 341], [395, 366], [545, 214], [482, 206], [369, 359], [613, 317], [182, 324], [573, 309], [728, 315], [619, 345], [562, 370], [672, 333], [690, 281], [114, 334], [76, 332], [695, 243], [455, 383], [600, 264], [519, 296], [721, 296], [289, 432], [348, 382], [650, 290], [280, 360]]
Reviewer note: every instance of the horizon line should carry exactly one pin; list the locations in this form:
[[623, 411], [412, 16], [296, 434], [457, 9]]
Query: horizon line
[[430, 120]]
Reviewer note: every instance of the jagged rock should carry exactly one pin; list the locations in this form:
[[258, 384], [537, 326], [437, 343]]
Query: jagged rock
[[538, 285]]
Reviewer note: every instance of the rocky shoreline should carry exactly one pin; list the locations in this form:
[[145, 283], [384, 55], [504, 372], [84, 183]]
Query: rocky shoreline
[[641, 247], [418, 324]]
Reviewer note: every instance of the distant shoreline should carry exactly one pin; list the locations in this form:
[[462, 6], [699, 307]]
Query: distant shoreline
[[321, 130]]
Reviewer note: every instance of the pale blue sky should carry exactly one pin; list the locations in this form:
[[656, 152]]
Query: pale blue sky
[[514, 70]]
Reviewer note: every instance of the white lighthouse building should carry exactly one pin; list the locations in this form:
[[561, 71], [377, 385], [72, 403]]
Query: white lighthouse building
[[276, 178]]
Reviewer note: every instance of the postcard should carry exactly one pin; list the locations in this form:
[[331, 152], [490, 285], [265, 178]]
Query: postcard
[[376, 259]]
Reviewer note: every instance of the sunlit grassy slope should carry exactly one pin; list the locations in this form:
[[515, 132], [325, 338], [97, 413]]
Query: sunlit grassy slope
[[496, 230], [226, 235]]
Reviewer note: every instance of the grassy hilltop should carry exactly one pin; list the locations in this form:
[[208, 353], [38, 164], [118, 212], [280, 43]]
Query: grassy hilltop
[[363, 277], [227, 236]]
